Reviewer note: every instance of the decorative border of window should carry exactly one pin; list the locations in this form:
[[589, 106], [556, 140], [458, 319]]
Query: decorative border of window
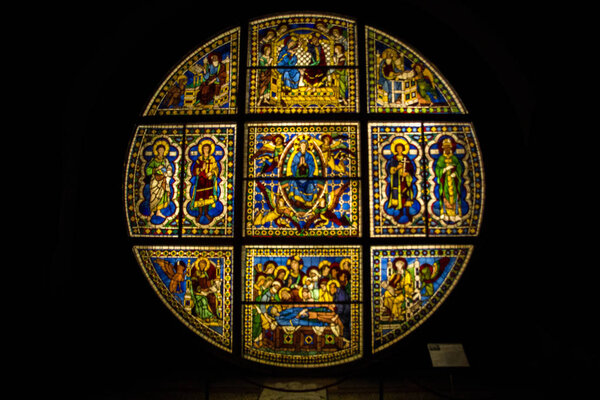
[[178, 191], [302, 63], [402, 301], [206, 82], [281, 200], [407, 82], [195, 283], [303, 334], [425, 179]]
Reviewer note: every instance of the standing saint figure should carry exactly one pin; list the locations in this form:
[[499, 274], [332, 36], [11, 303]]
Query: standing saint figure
[[401, 172], [158, 173], [205, 189], [449, 171]]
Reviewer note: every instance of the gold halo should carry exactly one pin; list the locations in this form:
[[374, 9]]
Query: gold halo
[[396, 142], [331, 281], [206, 141], [281, 267], [159, 142], [197, 262]]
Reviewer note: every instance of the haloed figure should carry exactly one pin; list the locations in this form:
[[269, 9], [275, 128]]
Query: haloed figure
[[401, 173], [448, 171], [205, 170], [158, 173]]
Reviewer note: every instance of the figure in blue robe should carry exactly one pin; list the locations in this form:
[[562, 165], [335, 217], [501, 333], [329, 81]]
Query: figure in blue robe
[[303, 189], [287, 57]]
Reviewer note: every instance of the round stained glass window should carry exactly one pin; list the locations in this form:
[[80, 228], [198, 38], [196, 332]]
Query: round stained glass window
[[328, 191]]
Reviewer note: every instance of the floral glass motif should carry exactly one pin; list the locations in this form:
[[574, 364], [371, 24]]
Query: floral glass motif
[[302, 179], [196, 284], [302, 305], [396, 180], [204, 83], [302, 64], [400, 80], [210, 159], [152, 189], [408, 284], [454, 179]]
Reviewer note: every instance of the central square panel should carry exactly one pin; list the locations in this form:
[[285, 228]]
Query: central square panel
[[302, 179]]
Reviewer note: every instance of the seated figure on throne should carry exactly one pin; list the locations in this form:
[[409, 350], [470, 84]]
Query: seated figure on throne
[[286, 59]]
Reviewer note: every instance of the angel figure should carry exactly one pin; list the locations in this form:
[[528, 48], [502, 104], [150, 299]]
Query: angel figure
[[427, 91], [271, 150], [323, 213], [175, 274], [278, 212], [334, 150]]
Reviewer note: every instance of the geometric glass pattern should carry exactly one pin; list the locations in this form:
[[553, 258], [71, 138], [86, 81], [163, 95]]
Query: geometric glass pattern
[[302, 64], [196, 284], [408, 284], [302, 305], [302, 179], [206, 82], [297, 180], [426, 179], [401, 80]]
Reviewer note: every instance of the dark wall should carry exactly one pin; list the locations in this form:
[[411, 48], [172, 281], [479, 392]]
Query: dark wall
[[521, 308]]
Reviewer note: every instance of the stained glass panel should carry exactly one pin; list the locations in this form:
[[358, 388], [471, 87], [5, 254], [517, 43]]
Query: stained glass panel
[[206, 82], [302, 64], [302, 305], [310, 185], [196, 285], [152, 186], [454, 179], [396, 180], [408, 284], [400, 80], [209, 180]]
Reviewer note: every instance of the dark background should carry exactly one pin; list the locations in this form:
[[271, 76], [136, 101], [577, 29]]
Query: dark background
[[525, 307]]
